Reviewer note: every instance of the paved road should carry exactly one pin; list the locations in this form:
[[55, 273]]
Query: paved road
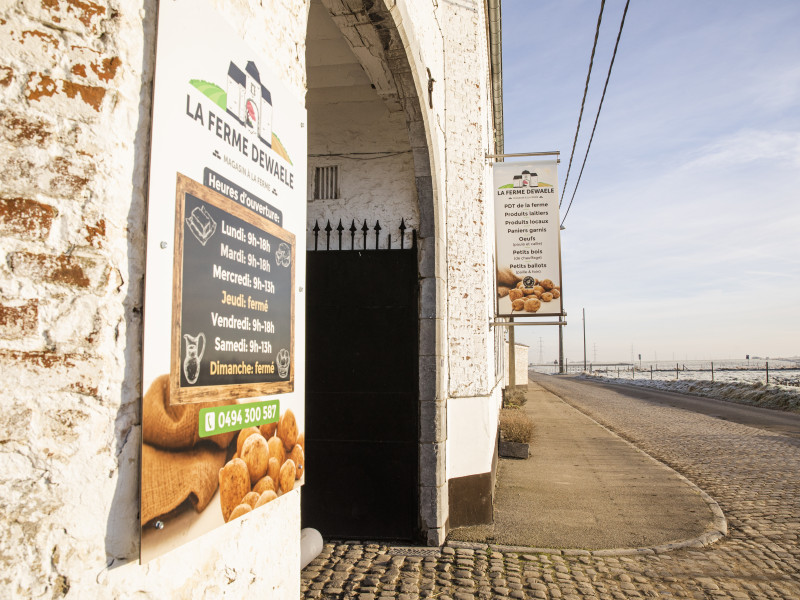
[[764, 418], [754, 474]]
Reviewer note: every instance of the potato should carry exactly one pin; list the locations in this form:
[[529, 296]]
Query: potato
[[255, 454], [276, 450], [287, 476], [234, 484], [250, 498], [502, 291], [507, 277], [547, 297], [528, 291], [264, 484], [532, 305], [268, 429], [273, 469], [515, 294], [518, 304], [538, 290], [243, 435], [556, 293], [287, 429], [267, 496], [298, 457], [301, 439], [547, 284], [241, 509]]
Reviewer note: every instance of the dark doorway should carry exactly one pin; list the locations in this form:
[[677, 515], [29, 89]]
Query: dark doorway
[[361, 393]]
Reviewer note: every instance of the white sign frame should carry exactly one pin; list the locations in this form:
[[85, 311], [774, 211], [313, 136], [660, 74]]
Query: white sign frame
[[224, 121], [528, 277]]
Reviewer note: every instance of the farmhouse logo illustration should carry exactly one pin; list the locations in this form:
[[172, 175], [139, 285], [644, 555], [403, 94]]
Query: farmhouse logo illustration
[[526, 179], [249, 102]]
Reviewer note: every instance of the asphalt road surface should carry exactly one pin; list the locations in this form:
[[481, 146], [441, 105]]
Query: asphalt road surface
[[778, 421]]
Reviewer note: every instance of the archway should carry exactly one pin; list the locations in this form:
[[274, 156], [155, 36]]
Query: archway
[[368, 165]]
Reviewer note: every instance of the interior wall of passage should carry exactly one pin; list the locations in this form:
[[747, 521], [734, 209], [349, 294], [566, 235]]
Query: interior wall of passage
[[352, 128]]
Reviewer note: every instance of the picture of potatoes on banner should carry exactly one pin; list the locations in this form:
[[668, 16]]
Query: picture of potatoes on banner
[[193, 483], [526, 295]]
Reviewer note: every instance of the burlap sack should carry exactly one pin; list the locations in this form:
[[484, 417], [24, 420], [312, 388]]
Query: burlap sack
[[170, 478], [174, 426]]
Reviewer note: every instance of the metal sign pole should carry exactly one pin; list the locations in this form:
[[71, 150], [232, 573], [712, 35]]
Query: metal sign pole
[[512, 357], [560, 347], [584, 340], [502, 156], [518, 324]]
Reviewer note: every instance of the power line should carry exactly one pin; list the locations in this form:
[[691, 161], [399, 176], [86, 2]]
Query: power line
[[599, 108], [585, 91]]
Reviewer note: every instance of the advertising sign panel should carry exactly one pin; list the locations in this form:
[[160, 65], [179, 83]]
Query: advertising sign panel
[[527, 237], [223, 410]]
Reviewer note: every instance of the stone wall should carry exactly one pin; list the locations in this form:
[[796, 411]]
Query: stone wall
[[75, 92], [521, 365], [474, 396]]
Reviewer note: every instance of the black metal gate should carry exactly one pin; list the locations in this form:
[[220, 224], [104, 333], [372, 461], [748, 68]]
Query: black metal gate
[[362, 387]]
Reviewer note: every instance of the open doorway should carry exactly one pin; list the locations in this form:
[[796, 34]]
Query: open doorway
[[362, 304]]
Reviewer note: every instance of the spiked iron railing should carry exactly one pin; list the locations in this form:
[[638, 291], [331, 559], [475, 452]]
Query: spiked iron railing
[[365, 230]]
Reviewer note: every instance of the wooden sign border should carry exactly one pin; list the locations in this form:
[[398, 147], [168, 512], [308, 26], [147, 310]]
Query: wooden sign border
[[209, 393]]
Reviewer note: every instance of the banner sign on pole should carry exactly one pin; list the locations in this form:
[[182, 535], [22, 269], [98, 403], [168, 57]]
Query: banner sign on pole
[[223, 411], [527, 238]]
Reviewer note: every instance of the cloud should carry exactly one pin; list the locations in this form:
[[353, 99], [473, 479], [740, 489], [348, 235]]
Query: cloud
[[748, 146]]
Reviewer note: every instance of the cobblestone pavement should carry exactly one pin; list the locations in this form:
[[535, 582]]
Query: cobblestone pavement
[[754, 475]]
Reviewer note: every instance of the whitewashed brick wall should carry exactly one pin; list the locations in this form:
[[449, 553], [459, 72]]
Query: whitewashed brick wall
[[75, 92]]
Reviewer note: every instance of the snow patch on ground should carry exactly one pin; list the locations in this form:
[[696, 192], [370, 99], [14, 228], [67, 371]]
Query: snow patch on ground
[[776, 396]]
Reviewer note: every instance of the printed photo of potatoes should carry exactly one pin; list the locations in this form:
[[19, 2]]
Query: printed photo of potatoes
[[269, 460], [526, 295], [191, 485]]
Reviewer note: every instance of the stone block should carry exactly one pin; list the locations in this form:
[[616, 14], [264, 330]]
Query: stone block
[[425, 199], [513, 449], [25, 217], [17, 321], [428, 329], [429, 292], [428, 382], [433, 506], [433, 422], [427, 256], [432, 464]]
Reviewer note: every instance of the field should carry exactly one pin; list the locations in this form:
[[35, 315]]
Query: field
[[734, 381]]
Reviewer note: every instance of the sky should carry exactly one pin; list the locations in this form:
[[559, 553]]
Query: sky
[[683, 241]]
